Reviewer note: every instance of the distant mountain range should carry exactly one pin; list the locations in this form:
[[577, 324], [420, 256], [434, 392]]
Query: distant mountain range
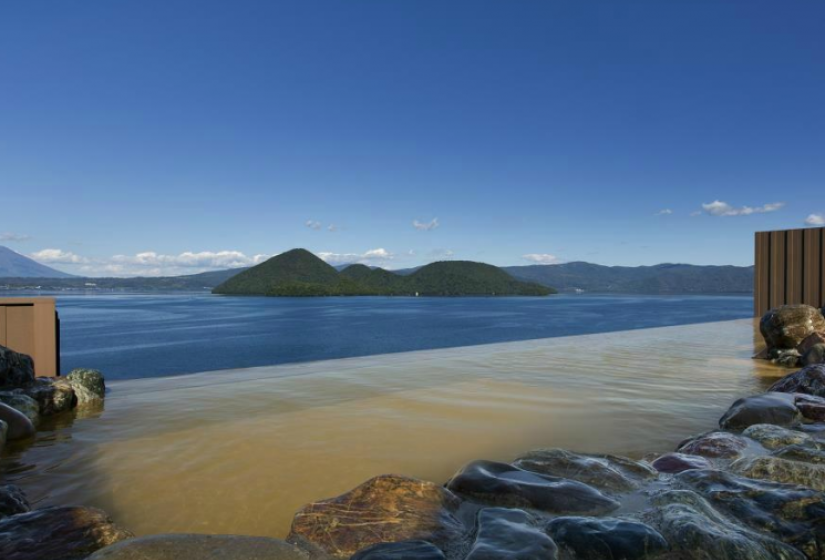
[[16, 265]]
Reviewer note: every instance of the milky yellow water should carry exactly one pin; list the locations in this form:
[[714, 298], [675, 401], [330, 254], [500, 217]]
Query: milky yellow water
[[239, 451]]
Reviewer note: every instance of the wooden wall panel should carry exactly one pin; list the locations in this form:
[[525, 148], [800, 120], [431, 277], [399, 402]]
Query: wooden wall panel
[[812, 265], [777, 273], [793, 265], [789, 268], [3, 326], [30, 326], [20, 325], [761, 273]]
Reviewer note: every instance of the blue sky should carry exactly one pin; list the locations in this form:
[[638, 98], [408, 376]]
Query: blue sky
[[156, 137]]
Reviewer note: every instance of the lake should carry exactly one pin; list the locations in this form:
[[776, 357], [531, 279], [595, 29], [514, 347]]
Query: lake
[[134, 336]]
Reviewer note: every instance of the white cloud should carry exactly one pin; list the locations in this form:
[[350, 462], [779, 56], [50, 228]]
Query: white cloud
[[426, 226], [373, 256], [664, 212], [312, 224], [188, 259], [541, 258], [332, 227], [719, 208], [58, 256], [441, 253], [815, 220], [14, 237]]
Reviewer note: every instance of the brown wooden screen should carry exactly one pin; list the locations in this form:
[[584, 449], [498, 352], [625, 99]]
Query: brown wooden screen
[[789, 268], [31, 326]]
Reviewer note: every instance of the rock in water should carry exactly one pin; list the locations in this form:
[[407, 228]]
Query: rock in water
[[16, 369], [88, 385], [716, 445], [588, 538], [815, 355], [408, 550], [672, 463], [809, 380], [506, 533], [201, 547], [770, 408], [779, 469], [53, 396], [774, 437], [18, 425], [505, 485], [787, 326], [21, 402], [384, 509], [59, 533], [12, 501]]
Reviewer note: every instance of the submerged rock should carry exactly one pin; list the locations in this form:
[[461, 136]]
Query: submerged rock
[[53, 396], [813, 339], [814, 355], [809, 380], [716, 445], [606, 472], [505, 485], [769, 408], [64, 533], [201, 547], [774, 437], [787, 326], [587, 538], [12, 501], [809, 453], [672, 463], [22, 403], [812, 408], [408, 550], [88, 384], [384, 509], [16, 369], [18, 425], [507, 533], [779, 469]]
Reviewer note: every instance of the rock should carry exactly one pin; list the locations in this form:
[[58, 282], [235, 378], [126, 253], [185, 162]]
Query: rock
[[814, 355], [606, 472], [783, 470], [505, 485], [53, 396], [18, 425], [770, 408], [672, 463], [386, 508], [16, 369], [506, 533], [695, 531], [21, 402], [587, 538], [88, 385], [64, 533], [721, 445], [805, 453], [812, 408], [4, 432], [12, 501], [787, 326], [787, 357], [810, 380], [810, 341], [408, 550], [200, 547], [774, 437]]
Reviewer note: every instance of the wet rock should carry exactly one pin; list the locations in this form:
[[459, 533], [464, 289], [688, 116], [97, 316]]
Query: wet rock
[[16, 369], [606, 472], [787, 357], [787, 326], [774, 437], [201, 547], [783, 470], [809, 380], [716, 445], [814, 355], [53, 396], [384, 509], [506, 533], [784, 512], [812, 408], [813, 339], [587, 538], [88, 384], [672, 463], [505, 485], [808, 453], [4, 432], [18, 425], [695, 531], [409, 550], [21, 402], [65, 533], [12, 501], [769, 408]]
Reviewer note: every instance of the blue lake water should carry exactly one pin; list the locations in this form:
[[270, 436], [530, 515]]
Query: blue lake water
[[133, 336]]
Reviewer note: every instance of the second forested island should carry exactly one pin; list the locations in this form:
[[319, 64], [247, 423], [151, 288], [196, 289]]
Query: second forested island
[[300, 273]]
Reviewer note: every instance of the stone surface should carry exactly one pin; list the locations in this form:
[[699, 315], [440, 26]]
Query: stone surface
[[4, 433], [769, 408], [774, 437], [408, 550], [22, 403], [810, 407], [814, 355], [809, 380], [778, 469], [787, 326], [672, 463], [606, 472], [716, 445], [505, 485], [810, 341], [810, 453], [16, 370], [59, 533], [587, 538], [384, 509], [507, 533], [200, 547], [787, 357], [88, 384], [53, 396], [12, 501], [18, 425]]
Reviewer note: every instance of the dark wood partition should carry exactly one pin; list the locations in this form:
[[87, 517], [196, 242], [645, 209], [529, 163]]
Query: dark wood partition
[[789, 268]]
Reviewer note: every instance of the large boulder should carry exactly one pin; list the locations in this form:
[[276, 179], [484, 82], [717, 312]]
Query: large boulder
[[12, 501], [88, 384], [384, 509], [64, 533], [770, 408], [53, 396], [200, 547], [783, 469], [809, 380], [505, 485], [787, 326], [813, 356], [16, 369], [715, 445], [18, 425], [587, 538], [671, 463], [21, 402], [508, 533], [774, 437], [812, 340]]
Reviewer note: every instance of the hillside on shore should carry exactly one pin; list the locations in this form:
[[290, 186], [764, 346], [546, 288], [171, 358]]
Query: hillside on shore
[[13, 264], [300, 273]]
